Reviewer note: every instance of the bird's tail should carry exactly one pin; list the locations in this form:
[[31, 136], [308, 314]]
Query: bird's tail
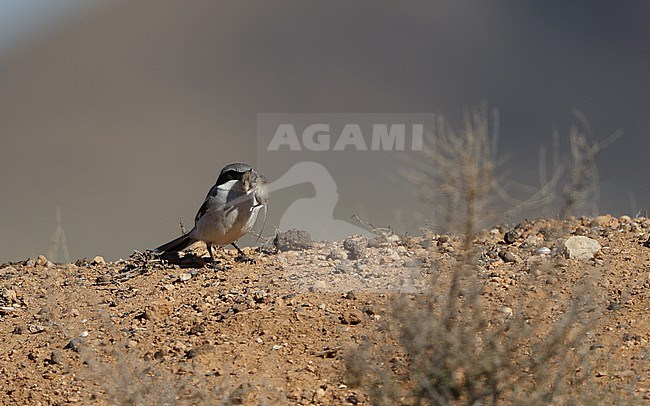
[[176, 245]]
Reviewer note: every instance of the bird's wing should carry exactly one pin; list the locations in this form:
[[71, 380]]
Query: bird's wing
[[218, 199]]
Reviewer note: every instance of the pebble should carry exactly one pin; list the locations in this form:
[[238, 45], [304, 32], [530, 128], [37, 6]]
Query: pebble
[[511, 236], [533, 241], [342, 268], [260, 296], [56, 358], [352, 317], [98, 260], [508, 256], [103, 279], [320, 393], [356, 246], [551, 280], [393, 239], [74, 344], [377, 241], [184, 277], [582, 248], [409, 263], [506, 311], [604, 221], [8, 270], [320, 285], [389, 258], [338, 254], [41, 260], [293, 240], [544, 251]]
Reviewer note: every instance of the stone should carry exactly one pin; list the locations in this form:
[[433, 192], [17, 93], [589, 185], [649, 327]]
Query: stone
[[533, 241], [581, 248], [355, 246], [506, 311], [604, 221], [293, 240], [508, 256], [511, 236], [377, 241], [42, 260], [352, 317], [338, 254]]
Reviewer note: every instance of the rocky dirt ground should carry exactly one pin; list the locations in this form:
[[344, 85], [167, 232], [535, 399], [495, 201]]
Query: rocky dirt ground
[[152, 331]]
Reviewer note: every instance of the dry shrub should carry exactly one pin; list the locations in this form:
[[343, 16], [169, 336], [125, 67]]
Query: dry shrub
[[450, 347]]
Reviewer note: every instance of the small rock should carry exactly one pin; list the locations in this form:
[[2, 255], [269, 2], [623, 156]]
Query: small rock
[[394, 239], [74, 344], [8, 270], [386, 259], [98, 260], [604, 221], [55, 358], [580, 247], [7, 309], [409, 263], [338, 254], [260, 296], [9, 295], [377, 241], [533, 241], [544, 251], [103, 279], [352, 317], [552, 280], [506, 311], [508, 256], [293, 240], [184, 277], [41, 260], [355, 246], [511, 236], [320, 393], [197, 329], [320, 285], [342, 268]]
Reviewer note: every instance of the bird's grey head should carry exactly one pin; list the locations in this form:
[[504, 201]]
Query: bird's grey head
[[234, 171]]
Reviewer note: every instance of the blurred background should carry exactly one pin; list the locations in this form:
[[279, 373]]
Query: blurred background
[[116, 116]]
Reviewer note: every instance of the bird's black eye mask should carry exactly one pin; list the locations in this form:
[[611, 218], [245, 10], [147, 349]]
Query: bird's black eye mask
[[228, 176]]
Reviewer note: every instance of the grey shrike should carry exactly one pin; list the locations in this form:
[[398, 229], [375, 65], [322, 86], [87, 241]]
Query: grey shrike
[[228, 212]]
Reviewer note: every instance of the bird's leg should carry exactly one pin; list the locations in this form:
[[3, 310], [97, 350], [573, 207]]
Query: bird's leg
[[242, 257], [215, 263]]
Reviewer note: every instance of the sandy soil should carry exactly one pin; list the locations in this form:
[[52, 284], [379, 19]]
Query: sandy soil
[[148, 331]]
